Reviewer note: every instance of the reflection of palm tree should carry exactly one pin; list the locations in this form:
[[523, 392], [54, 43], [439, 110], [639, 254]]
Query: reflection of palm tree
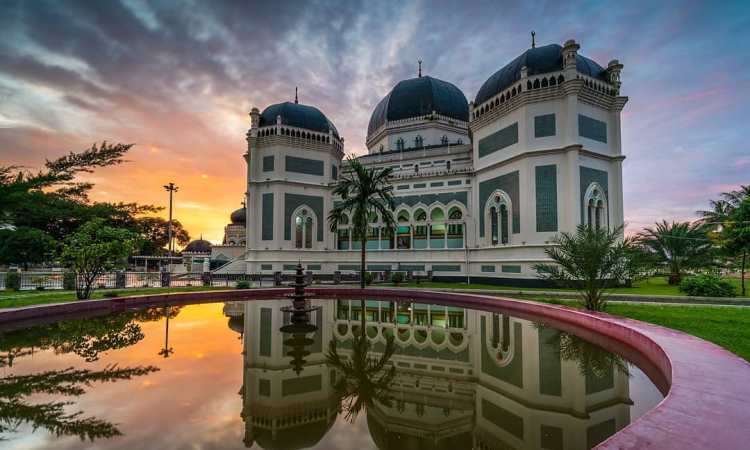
[[364, 379], [14, 410], [166, 351], [590, 357]]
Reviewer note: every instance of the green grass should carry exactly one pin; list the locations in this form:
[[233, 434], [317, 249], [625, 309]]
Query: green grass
[[15, 299], [727, 326], [651, 286]]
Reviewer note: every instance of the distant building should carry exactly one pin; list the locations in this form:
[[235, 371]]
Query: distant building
[[480, 187]]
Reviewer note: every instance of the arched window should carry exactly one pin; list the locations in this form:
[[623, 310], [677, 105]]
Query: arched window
[[499, 219], [400, 144], [444, 140], [403, 232], [418, 141], [437, 228], [420, 230], [455, 238], [304, 227], [595, 202], [459, 141], [381, 148], [448, 165], [420, 215]]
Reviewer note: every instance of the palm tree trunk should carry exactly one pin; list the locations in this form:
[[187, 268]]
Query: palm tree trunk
[[362, 262], [742, 271]]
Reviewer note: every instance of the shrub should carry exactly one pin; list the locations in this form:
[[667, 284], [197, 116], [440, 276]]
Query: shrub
[[39, 288], [13, 281], [69, 281], [110, 294], [707, 286], [243, 284], [397, 278], [369, 277]]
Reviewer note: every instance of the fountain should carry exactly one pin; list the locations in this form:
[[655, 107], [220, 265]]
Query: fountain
[[299, 326]]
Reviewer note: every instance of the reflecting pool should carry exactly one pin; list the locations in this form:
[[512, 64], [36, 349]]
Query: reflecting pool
[[244, 375]]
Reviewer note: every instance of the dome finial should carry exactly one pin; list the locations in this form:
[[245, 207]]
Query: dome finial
[[296, 100], [420, 68], [533, 39]]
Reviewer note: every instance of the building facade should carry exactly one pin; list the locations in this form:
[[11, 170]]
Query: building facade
[[480, 187]]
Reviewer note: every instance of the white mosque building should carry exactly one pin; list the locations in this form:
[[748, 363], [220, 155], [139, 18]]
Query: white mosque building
[[480, 187]]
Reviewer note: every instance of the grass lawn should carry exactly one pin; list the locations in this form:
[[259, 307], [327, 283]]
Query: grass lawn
[[14, 299], [650, 286], [727, 326]]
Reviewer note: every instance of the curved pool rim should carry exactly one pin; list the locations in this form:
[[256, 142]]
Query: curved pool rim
[[706, 387]]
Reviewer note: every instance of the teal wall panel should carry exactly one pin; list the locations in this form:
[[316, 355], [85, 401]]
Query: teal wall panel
[[268, 163], [502, 418], [552, 438], [411, 267], [598, 433], [304, 165], [428, 199], [379, 267], [264, 387], [454, 183], [313, 267], [265, 332], [446, 268], [292, 202], [301, 385], [334, 172], [546, 198], [402, 187], [510, 268], [544, 126], [488, 268], [420, 185], [592, 128], [355, 267], [266, 267], [498, 140], [437, 184], [550, 367], [267, 217], [588, 176], [508, 183]]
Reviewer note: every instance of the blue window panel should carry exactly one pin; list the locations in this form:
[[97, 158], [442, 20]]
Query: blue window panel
[[334, 172], [546, 198], [268, 163], [511, 269], [436, 184], [498, 140], [420, 185], [402, 187], [266, 267], [304, 165], [454, 182], [592, 129], [265, 331], [488, 268], [455, 243], [544, 126], [313, 267]]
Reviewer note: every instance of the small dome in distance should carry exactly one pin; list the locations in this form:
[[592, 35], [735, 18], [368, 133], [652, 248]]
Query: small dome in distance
[[198, 246]]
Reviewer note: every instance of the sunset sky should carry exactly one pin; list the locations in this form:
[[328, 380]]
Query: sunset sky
[[179, 78]]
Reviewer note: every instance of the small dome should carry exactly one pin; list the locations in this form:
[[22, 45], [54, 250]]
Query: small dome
[[545, 59], [198, 246], [297, 115], [418, 97], [239, 216]]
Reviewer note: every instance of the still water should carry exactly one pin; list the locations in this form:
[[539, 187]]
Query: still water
[[242, 375]]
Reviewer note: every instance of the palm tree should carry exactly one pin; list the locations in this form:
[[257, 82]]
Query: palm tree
[[591, 259], [729, 220], [363, 193], [679, 245]]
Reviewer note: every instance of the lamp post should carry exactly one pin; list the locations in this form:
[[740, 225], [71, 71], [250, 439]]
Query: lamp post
[[171, 188]]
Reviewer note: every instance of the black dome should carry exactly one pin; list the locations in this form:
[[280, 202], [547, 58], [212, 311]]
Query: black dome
[[418, 97], [198, 246], [239, 216], [537, 60], [296, 115]]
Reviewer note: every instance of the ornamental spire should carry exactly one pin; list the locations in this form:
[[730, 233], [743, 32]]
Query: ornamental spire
[[533, 39], [296, 100], [420, 68]]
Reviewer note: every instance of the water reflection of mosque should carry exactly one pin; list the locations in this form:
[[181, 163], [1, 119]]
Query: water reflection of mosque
[[462, 376]]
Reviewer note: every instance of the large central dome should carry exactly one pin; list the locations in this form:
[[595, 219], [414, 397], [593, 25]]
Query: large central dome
[[538, 60], [418, 97], [297, 115]]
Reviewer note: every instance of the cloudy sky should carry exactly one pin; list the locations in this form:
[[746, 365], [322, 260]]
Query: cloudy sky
[[178, 79]]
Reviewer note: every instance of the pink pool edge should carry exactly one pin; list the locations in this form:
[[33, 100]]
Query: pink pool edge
[[707, 388]]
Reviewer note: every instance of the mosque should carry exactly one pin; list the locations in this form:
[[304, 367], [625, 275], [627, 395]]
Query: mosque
[[480, 187]]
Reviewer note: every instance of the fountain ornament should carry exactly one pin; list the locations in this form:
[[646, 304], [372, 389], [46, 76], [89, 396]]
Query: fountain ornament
[[299, 326]]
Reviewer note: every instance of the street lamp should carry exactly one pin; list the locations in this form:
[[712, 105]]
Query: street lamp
[[171, 188]]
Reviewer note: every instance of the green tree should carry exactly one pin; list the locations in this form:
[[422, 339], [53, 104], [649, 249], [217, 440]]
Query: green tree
[[25, 246], [590, 259], [680, 246], [95, 249], [154, 232], [363, 194], [729, 220]]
